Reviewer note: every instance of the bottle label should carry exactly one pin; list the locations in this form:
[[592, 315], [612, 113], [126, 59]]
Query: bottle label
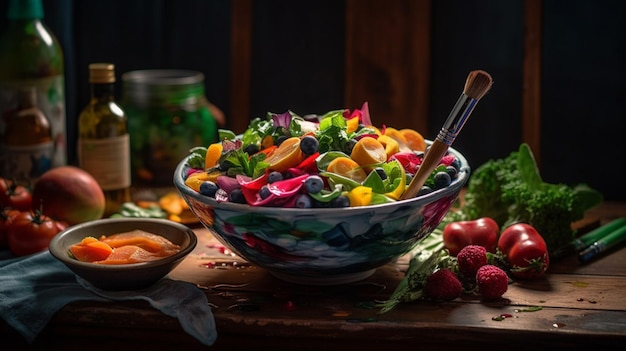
[[107, 160], [29, 162], [50, 100]]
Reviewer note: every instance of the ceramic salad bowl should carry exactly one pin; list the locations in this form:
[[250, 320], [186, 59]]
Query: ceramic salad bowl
[[322, 246]]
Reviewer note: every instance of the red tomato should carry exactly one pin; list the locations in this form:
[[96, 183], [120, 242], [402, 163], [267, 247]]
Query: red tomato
[[31, 233], [6, 218], [483, 231], [14, 195], [525, 250]]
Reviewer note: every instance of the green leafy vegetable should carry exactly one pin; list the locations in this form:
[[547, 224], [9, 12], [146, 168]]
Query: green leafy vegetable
[[511, 190], [196, 158]]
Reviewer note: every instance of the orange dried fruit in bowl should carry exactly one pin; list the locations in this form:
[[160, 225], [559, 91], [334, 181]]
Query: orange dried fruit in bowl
[[91, 249], [368, 153], [414, 139], [286, 155], [348, 168]]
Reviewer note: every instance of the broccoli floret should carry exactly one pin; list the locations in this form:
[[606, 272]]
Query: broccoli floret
[[511, 190], [484, 191]]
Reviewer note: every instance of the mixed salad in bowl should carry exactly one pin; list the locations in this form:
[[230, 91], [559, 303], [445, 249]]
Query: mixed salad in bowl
[[338, 159]]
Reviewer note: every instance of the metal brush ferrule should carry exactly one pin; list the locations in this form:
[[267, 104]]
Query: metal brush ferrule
[[457, 118]]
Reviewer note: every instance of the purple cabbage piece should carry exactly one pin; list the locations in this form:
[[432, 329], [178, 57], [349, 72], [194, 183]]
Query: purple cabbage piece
[[282, 193], [282, 120]]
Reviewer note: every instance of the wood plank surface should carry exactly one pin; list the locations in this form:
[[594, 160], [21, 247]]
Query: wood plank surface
[[575, 307]]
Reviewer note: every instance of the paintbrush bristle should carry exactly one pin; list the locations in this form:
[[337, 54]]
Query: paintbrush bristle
[[478, 84]]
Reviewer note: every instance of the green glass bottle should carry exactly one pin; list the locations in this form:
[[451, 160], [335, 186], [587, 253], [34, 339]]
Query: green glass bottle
[[31, 56], [103, 139]]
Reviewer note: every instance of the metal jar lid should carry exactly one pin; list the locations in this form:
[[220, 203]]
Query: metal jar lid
[[162, 86]]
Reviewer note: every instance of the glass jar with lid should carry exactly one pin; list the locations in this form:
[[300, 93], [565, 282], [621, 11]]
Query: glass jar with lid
[[168, 114]]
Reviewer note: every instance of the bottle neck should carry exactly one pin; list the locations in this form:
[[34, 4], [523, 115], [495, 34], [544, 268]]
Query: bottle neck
[[25, 10], [103, 91]]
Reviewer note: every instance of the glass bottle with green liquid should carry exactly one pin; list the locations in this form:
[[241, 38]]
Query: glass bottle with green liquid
[[31, 56]]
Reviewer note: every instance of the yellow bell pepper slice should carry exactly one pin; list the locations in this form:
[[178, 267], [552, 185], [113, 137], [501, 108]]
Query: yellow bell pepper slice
[[360, 196]]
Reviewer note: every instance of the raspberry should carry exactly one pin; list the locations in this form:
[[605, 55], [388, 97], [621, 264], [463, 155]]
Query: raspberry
[[470, 258], [443, 285], [491, 281]]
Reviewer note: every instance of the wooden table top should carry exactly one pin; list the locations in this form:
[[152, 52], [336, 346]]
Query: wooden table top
[[581, 306]]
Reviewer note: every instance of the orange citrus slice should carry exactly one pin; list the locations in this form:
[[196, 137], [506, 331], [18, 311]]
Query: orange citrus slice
[[368, 152], [213, 154], [391, 145], [413, 139], [399, 137], [352, 124], [195, 180], [286, 155], [346, 167]]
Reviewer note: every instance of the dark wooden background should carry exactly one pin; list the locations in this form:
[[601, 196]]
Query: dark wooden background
[[559, 66]]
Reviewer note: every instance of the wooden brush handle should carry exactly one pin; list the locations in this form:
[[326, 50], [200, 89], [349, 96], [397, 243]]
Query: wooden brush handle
[[433, 156]]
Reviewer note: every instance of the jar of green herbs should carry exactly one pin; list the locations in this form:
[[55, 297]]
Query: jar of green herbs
[[168, 114]]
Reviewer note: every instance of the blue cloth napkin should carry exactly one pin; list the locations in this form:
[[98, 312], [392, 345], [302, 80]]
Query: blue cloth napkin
[[34, 288]]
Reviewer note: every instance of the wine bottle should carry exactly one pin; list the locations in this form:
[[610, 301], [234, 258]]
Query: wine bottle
[[103, 139], [31, 56]]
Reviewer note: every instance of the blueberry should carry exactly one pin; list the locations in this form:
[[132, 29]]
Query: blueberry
[[309, 145], [279, 140], [314, 184], [442, 180], [381, 172], [236, 196], [304, 201], [319, 204], [264, 192], [348, 146], [251, 149], [456, 164], [208, 188], [452, 171], [340, 201], [409, 178], [424, 190], [274, 176]]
